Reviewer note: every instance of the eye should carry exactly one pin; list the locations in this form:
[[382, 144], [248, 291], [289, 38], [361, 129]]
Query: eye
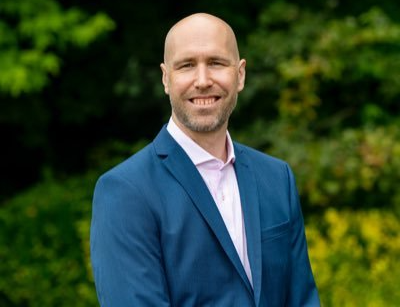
[[186, 65], [215, 63], [218, 63]]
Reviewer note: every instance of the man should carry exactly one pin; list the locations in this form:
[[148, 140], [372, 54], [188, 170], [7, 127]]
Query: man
[[194, 219]]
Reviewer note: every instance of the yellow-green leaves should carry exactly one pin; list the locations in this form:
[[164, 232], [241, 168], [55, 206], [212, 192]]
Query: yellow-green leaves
[[354, 255], [33, 36]]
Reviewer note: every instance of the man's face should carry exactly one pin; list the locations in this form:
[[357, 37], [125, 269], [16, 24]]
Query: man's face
[[202, 74]]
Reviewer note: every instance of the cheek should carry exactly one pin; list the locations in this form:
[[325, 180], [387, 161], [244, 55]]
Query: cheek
[[179, 84], [228, 81]]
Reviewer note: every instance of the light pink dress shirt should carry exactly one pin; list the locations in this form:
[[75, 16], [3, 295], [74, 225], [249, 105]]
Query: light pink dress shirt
[[221, 181]]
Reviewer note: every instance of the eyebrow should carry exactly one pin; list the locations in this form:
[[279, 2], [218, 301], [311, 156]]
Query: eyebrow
[[221, 59]]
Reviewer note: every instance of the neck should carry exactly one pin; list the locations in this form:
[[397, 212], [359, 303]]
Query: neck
[[214, 142]]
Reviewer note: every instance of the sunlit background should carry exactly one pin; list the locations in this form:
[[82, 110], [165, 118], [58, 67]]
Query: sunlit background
[[80, 90]]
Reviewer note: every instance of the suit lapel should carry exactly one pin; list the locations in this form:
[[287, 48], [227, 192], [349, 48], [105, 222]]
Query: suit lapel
[[250, 206], [185, 172]]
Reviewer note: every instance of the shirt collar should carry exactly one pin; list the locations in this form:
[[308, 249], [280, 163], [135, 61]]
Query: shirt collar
[[197, 154]]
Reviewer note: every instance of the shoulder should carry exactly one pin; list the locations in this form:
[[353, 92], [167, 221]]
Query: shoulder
[[131, 168], [264, 166], [126, 186], [259, 157]]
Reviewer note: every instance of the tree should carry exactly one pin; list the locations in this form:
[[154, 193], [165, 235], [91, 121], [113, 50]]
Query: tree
[[328, 87], [35, 35]]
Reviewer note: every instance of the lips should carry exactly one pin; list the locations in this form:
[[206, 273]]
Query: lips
[[204, 101]]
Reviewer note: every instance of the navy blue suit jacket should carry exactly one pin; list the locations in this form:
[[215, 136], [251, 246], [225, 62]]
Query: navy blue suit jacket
[[158, 239]]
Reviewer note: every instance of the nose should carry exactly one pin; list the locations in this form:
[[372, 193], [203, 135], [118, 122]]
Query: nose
[[203, 78]]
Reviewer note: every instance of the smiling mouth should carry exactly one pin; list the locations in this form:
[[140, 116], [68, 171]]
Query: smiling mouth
[[204, 101]]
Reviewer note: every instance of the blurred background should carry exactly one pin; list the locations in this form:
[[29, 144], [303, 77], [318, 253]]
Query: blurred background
[[80, 90]]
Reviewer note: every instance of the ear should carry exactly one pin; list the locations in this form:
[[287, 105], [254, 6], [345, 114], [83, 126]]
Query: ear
[[164, 78], [241, 74]]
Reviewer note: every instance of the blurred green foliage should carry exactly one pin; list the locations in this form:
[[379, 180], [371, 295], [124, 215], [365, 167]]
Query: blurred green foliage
[[32, 35], [35, 38], [356, 168], [44, 238], [335, 85], [355, 257], [324, 73], [322, 92], [44, 245]]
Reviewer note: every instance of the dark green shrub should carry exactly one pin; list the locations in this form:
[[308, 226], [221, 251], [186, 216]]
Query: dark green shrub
[[44, 245]]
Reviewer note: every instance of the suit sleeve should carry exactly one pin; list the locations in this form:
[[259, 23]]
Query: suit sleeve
[[125, 247], [303, 291]]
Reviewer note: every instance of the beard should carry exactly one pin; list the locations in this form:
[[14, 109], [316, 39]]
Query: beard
[[204, 120]]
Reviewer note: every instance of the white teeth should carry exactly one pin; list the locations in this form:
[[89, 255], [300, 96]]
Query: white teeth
[[203, 101]]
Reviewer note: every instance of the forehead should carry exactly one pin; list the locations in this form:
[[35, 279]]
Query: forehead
[[200, 37]]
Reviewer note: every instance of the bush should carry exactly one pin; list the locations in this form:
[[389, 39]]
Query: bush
[[354, 255], [353, 168], [44, 246]]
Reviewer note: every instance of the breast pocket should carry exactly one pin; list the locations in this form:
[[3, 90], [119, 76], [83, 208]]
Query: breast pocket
[[275, 232], [275, 244], [275, 247]]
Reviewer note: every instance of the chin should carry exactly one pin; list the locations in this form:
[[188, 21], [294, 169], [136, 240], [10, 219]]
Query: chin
[[206, 127]]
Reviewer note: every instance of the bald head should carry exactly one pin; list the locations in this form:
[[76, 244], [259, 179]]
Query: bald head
[[197, 29]]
